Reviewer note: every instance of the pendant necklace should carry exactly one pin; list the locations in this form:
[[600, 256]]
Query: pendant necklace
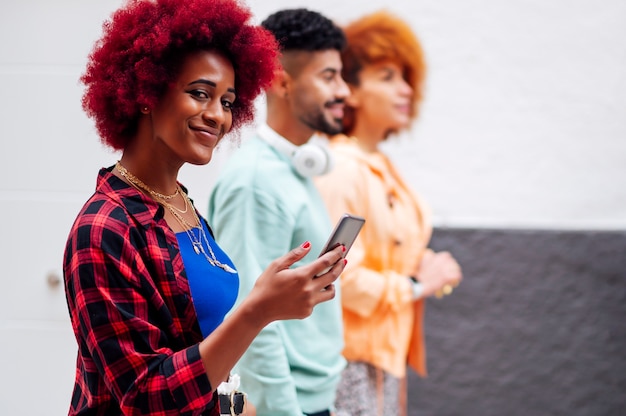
[[199, 248], [196, 242]]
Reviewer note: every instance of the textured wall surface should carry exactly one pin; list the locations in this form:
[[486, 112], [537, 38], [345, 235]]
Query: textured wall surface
[[538, 326]]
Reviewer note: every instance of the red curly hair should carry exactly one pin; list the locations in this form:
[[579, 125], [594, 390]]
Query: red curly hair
[[143, 45], [378, 37]]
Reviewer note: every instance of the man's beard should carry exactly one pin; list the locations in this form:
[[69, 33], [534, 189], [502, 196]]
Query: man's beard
[[319, 123]]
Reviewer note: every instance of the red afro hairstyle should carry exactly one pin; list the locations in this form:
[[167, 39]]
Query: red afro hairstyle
[[144, 43], [379, 37]]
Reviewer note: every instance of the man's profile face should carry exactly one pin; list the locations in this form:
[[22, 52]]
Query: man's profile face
[[316, 91]]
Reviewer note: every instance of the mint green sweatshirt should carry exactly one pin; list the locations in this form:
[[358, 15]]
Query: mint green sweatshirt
[[260, 209]]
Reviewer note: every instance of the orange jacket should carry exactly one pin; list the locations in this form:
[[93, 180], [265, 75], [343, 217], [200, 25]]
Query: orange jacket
[[383, 325]]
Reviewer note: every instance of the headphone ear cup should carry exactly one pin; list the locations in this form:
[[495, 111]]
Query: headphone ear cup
[[311, 160]]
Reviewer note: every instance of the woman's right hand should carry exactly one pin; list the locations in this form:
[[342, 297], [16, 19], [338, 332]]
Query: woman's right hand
[[285, 293], [438, 270], [279, 293]]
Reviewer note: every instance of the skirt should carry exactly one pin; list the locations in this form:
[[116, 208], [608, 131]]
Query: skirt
[[365, 390]]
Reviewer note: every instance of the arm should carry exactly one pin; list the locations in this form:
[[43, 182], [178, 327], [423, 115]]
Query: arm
[[366, 289], [134, 338], [253, 228], [119, 315], [279, 293]]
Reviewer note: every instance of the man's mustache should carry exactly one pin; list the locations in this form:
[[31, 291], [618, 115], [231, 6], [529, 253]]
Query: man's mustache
[[334, 102]]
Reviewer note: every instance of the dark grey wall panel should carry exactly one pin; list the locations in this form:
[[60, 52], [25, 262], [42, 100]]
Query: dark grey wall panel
[[538, 326]]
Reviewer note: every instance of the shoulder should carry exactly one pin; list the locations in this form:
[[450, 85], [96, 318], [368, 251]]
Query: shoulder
[[113, 211], [99, 219], [348, 157], [256, 168], [348, 167]]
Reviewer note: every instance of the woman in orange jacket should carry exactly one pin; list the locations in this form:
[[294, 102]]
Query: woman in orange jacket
[[390, 269]]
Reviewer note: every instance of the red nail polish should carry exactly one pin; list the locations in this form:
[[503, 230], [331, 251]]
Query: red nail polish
[[345, 261], [306, 244], [343, 248]]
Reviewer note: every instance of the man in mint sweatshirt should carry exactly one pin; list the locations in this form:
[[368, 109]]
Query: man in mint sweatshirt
[[265, 203]]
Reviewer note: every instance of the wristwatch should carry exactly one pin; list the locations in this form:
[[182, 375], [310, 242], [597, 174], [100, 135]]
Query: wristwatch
[[417, 286], [232, 404]]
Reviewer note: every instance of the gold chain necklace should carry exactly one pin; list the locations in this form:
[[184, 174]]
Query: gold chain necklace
[[171, 206], [196, 243], [139, 184]]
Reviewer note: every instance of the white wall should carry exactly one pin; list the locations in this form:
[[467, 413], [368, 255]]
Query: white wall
[[522, 126]]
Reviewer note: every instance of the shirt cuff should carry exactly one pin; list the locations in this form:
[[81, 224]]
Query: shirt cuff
[[416, 287]]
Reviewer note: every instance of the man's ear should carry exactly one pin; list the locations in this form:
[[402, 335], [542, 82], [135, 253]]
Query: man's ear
[[281, 83]]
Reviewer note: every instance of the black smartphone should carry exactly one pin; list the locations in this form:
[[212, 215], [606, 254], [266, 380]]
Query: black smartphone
[[345, 232]]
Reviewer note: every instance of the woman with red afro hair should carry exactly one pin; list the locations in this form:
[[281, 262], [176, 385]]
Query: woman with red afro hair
[[147, 287], [390, 269]]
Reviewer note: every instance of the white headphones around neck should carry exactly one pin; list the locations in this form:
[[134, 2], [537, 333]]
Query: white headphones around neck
[[309, 159]]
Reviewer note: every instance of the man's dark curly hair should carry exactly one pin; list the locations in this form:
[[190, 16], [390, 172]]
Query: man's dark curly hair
[[144, 44], [304, 30]]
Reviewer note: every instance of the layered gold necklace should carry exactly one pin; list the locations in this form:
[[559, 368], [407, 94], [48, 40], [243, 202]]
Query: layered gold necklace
[[196, 242]]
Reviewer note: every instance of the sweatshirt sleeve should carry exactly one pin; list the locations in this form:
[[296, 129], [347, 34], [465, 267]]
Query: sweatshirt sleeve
[[364, 290], [254, 229]]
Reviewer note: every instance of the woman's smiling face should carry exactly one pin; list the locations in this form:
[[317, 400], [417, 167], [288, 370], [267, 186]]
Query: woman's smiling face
[[383, 96], [196, 110]]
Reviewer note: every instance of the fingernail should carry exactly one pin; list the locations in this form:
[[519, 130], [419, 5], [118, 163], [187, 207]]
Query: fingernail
[[345, 261], [306, 244], [343, 248]]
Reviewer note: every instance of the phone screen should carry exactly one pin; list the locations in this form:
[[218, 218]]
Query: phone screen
[[345, 232]]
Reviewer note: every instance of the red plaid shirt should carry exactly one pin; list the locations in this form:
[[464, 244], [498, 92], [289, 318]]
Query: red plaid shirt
[[131, 310]]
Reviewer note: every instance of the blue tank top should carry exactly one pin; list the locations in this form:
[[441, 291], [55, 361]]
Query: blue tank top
[[213, 290]]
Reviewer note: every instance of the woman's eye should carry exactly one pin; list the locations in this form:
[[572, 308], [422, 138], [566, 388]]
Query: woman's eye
[[387, 75], [227, 104], [199, 94]]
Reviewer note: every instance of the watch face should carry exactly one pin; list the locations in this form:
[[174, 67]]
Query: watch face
[[232, 404]]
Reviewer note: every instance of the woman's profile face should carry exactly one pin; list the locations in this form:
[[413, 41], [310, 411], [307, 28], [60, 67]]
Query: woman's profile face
[[196, 110], [383, 97]]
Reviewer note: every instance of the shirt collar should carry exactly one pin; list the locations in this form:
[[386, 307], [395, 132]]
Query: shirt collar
[[144, 209], [278, 142], [377, 161]]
